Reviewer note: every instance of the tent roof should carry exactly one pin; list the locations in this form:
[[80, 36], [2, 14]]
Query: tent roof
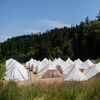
[[31, 63], [9, 62], [88, 63], [45, 60], [93, 71], [60, 60], [43, 70], [51, 67], [16, 72], [78, 63], [75, 74], [69, 61]]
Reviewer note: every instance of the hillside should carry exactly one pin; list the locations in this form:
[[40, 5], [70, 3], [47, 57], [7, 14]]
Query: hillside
[[80, 41]]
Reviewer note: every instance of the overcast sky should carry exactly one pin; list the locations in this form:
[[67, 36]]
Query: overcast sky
[[18, 17]]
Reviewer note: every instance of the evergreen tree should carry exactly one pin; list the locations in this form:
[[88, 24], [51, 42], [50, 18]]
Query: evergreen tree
[[98, 16]]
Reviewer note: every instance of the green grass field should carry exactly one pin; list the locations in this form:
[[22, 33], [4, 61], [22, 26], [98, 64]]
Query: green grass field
[[57, 91]]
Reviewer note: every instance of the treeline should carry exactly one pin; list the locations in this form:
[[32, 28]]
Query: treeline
[[80, 41]]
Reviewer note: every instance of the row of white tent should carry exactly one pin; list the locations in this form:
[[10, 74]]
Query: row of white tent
[[68, 70]]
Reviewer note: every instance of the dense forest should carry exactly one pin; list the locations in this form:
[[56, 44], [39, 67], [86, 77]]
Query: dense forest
[[80, 41]]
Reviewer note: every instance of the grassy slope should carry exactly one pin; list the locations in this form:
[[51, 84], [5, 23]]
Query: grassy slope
[[64, 91], [2, 70]]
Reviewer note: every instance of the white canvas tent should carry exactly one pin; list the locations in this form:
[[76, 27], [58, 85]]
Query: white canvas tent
[[69, 61], [93, 71], [9, 62], [61, 64], [16, 72], [60, 60], [78, 64], [49, 72], [87, 64], [45, 60], [41, 66], [43, 69], [74, 74], [30, 63], [64, 67]]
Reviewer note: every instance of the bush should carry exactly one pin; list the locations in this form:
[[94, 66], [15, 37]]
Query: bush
[[10, 92]]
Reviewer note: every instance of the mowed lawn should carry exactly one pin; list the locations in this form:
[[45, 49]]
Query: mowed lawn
[[57, 91]]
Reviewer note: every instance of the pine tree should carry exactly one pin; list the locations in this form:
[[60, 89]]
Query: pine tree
[[87, 20], [98, 16]]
